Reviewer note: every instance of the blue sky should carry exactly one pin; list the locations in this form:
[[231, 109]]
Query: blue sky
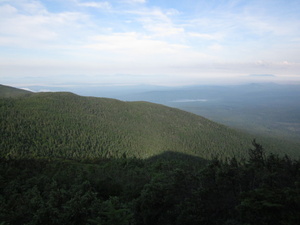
[[159, 42]]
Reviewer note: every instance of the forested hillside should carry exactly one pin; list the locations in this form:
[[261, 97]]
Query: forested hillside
[[11, 92], [64, 125], [67, 159]]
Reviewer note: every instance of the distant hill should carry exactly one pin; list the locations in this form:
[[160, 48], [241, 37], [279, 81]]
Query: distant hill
[[65, 125], [7, 91]]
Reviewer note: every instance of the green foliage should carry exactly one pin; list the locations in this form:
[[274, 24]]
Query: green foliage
[[270, 206], [67, 159], [114, 212], [160, 190], [10, 92], [63, 125]]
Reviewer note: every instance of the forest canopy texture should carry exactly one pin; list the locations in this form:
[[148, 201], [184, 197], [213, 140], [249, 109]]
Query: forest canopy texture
[[67, 159], [167, 189]]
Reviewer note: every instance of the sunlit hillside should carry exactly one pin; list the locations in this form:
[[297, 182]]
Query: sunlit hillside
[[64, 125]]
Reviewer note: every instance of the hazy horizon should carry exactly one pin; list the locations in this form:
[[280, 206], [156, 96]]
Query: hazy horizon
[[151, 42]]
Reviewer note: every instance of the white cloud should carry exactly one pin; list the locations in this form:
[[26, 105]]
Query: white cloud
[[7, 10], [32, 7], [133, 43], [141, 38], [215, 36], [163, 29], [286, 63], [172, 12], [216, 47], [30, 25], [154, 13], [101, 5], [158, 23], [134, 1]]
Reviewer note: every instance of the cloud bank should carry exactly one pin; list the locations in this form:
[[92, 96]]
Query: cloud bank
[[157, 43]]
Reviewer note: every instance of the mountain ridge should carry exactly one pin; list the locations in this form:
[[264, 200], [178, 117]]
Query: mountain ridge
[[11, 92], [65, 125]]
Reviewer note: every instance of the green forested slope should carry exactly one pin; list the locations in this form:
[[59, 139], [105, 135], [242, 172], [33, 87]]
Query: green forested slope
[[135, 163], [64, 125], [11, 92]]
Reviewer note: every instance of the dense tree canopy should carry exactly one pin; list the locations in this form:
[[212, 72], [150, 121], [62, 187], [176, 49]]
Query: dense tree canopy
[[64, 125], [66, 159], [169, 189]]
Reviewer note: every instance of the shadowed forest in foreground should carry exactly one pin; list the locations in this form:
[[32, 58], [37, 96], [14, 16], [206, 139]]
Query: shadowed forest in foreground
[[172, 188]]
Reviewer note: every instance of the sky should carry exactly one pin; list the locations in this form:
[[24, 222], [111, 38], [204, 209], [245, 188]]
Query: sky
[[155, 42]]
